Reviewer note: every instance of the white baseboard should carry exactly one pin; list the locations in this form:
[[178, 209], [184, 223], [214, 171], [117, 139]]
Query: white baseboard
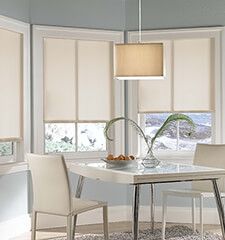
[[21, 224], [15, 227]]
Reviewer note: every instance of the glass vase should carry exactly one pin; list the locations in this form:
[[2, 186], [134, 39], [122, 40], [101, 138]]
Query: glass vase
[[150, 161]]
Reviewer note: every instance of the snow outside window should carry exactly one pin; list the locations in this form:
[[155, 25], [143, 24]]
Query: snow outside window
[[177, 137]]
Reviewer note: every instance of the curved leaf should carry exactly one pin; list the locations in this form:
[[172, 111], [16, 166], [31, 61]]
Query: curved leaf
[[172, 118], [133, 124]]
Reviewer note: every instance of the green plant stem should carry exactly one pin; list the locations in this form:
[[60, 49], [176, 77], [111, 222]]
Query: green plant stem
[[172, 118], [133, 123]]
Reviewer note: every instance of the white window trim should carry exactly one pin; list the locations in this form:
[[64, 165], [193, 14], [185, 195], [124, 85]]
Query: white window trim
[[41, 32], [218, 35], [24, 146]]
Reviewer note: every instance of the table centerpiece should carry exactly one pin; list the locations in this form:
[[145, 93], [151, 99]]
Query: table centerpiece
[[149, 160]]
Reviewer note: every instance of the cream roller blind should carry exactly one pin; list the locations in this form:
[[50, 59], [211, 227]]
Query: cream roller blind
[[94, 80], [59, 80], [189, 84], [77, 80], [11, 83], [154, 95], [193, 75]]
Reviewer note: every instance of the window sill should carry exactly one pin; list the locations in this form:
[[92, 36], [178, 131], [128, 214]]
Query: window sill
[[9, 168]]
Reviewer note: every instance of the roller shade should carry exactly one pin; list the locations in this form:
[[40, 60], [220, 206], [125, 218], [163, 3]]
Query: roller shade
[[94, 80], [151, 100], [59, 80], [188, 85], [155, 95], [11, 82], [193, 75], [77, 80]]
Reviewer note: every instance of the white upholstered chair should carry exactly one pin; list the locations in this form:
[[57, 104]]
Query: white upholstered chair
[[208, 155], [52, 195]]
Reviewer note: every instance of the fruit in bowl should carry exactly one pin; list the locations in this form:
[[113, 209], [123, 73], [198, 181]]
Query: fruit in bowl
[[121, 160], [120, 157]]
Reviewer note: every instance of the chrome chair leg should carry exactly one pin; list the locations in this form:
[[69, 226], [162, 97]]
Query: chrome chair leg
[[193, 214], [201, 217], [164, 213]]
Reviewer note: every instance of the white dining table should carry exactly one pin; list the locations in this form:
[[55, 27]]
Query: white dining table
[[136, 175]]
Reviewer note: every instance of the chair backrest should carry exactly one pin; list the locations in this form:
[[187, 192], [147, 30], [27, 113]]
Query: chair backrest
[[51, 189], [209, 155]]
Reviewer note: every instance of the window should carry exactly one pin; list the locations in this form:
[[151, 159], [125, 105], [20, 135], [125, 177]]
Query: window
[[6, 149], [72, 137], [60, 137], [77, 86], [182, 90], [192, 86], [178, 137], [91, 137], [72, 64], [14, 91], [76, 94]]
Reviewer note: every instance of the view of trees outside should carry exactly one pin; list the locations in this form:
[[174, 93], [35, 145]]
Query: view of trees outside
[[6, 148], [182, 140], [91, 137], [61, 137]]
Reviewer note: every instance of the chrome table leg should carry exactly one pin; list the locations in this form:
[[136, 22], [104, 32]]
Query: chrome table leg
[[77, 195], [152, 205], [136, 197], [219, 206]]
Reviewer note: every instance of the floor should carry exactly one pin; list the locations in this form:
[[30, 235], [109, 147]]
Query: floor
[[97, 228]]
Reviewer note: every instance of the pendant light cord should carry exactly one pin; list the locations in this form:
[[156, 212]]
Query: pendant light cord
[[139, 20]]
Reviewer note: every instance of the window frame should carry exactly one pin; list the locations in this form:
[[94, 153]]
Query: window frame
[[24, 146], [41, 32], [76, 139], [163, 153], [217, 34]]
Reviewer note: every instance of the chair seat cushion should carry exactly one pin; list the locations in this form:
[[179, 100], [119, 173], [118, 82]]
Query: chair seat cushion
[[81, 205]]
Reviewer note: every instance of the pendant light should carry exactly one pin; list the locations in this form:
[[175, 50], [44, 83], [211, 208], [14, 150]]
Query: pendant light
[[137, 61]]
